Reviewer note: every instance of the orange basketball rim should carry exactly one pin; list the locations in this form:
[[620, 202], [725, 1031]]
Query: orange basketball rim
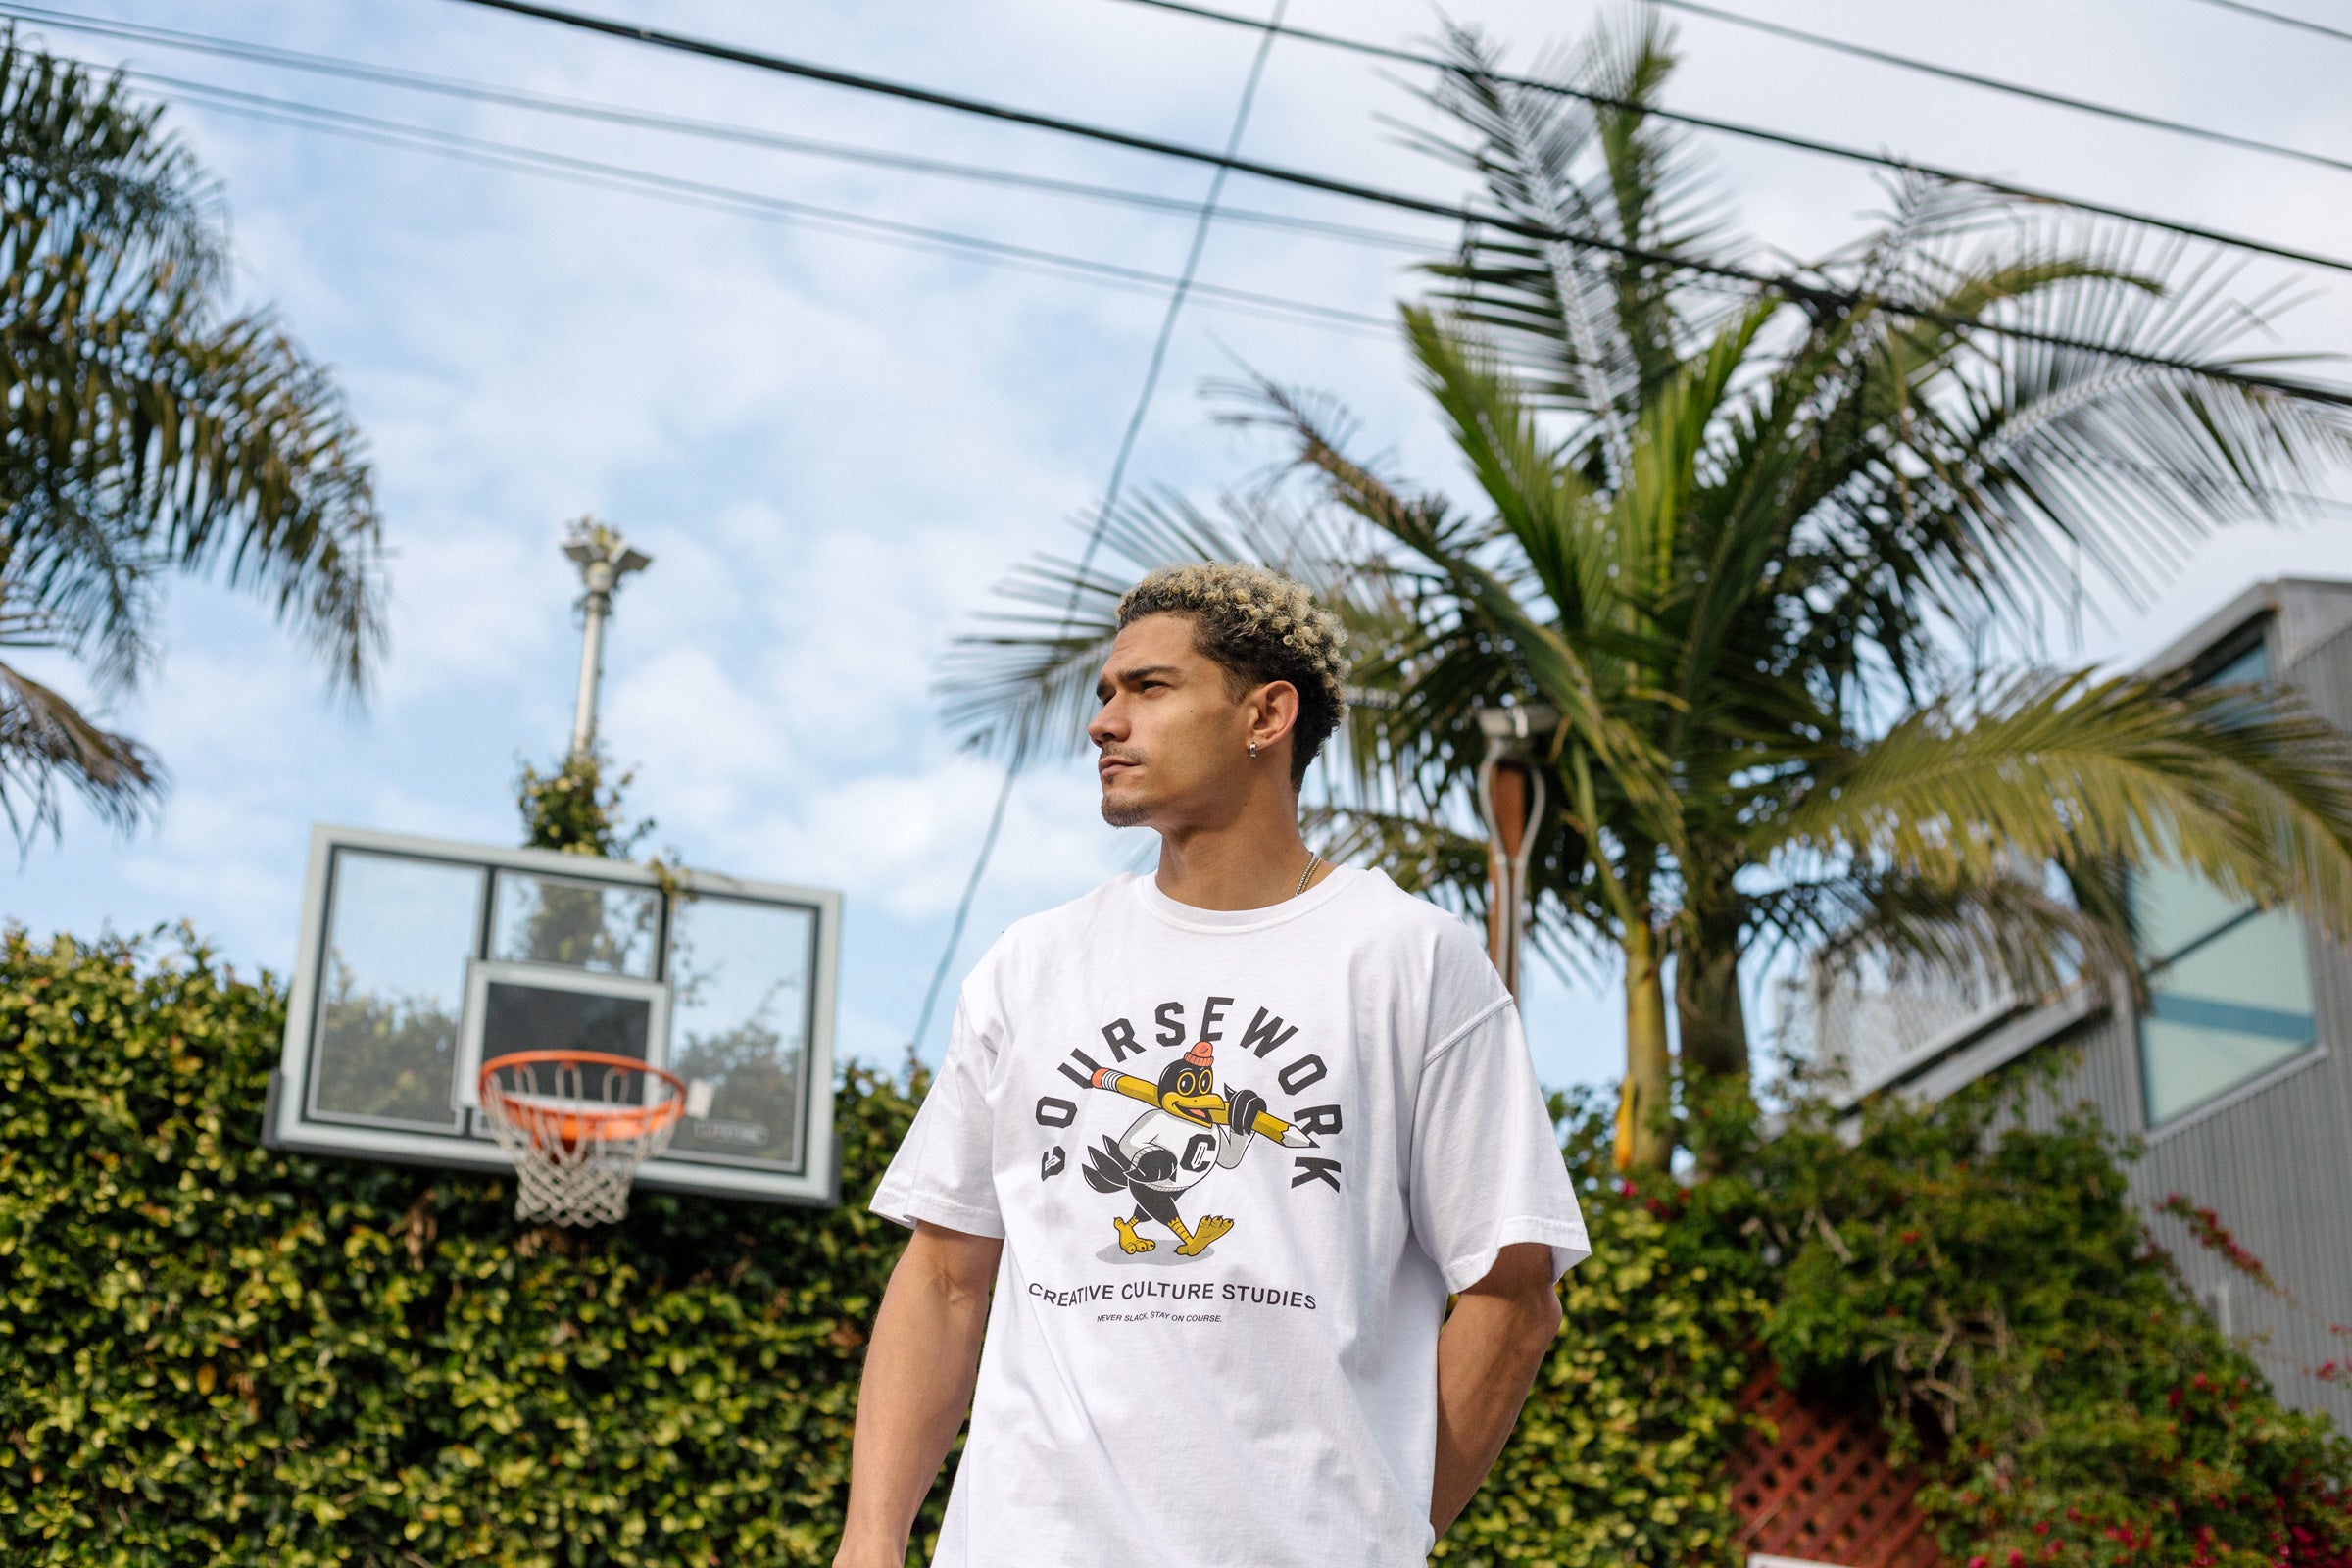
[[569, 1120]]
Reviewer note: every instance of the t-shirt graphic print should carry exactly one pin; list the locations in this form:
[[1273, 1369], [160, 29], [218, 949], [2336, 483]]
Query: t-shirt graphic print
[[1238, 1158], [1192, 1128], [1189, 1132]]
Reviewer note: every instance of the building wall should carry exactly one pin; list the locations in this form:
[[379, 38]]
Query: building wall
[[2273, 1159], [2275, 1163]]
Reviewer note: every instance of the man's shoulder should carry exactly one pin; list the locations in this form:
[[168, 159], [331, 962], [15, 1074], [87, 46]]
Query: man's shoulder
[[1387, 912], [1426, 950], [1031, 947], [1051, 932]]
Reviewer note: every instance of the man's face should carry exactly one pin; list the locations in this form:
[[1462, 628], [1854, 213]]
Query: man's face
[[1173, 739]]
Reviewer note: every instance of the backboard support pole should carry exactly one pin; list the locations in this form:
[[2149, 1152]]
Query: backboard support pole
[[604, 558]]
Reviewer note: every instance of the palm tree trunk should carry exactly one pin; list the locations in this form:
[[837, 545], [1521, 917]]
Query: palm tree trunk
[[1644, 1131], [1707, 1007]]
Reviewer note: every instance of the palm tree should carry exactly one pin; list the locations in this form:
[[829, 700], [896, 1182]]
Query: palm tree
[[1742, 546], [146, 430]]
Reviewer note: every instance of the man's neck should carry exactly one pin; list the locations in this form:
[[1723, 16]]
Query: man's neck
[[1248, 862]]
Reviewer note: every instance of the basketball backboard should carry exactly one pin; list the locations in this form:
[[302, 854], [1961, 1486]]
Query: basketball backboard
[[421, 959]]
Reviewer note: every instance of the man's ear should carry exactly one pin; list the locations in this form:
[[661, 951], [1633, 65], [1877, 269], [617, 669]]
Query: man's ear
[[1273, 711]]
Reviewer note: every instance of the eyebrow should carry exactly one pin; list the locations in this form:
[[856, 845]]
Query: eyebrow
[[1128, 677]]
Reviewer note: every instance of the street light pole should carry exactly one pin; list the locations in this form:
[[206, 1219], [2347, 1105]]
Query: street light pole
[[1510, 797], [604, 558]]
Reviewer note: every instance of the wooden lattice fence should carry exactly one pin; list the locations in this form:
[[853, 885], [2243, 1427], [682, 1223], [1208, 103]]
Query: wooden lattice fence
[[1821, 1491]]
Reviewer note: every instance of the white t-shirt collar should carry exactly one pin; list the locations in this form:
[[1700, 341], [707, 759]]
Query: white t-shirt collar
[[1185, 916]]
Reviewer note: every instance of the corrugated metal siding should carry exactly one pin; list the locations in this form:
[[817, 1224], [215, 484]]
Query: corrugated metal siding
[[2276, 1166]]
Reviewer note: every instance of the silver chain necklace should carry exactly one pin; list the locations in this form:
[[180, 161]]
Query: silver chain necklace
[[1312, 861]]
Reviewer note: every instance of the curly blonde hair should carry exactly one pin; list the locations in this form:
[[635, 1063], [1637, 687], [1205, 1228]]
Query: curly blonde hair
[[1259, 626]]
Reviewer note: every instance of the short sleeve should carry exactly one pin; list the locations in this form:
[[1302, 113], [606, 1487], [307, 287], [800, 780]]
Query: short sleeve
[[1486, 1165], [944, 1171]]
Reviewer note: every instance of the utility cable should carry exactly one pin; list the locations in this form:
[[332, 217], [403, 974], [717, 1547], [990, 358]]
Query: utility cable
[[1111, 497], [1780, 138], [1788, 285], [2282, 19], [706, 129], [720, 130], [2013, 89], [698, 193]]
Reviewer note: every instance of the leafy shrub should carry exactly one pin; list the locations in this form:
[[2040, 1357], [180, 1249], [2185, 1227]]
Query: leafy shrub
[[1996, 1293], [1989, 1291], [215, 1353]]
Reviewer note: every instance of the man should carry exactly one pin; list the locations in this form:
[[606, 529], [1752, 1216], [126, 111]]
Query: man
[[1220, 1141]]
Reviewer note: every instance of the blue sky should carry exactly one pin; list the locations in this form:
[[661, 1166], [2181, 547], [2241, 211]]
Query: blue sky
[[833, 447]]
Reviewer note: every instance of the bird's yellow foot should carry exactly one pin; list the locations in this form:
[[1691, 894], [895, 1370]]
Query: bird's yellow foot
[[1207, 1230], [1129, 1241]]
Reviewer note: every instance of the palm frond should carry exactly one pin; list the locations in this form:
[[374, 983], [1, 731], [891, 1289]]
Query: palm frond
[[2135, 464], [1423, 855], [48, 746], [1024, 684], [2021, 461], [1553, 665], [1553, 513], [2238, 785], [1420, 855], [146, 428], [2009, 933], [1593, 331]]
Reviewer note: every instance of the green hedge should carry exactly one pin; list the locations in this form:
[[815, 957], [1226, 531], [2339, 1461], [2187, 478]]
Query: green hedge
[[211, 1353], [215, 1353]]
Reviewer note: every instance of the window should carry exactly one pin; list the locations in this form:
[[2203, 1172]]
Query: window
[[741, 971], [397, 939], [573, 922], [2229, 985]]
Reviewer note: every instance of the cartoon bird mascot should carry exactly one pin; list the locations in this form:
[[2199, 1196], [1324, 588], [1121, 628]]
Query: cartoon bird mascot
[[1190, 1131]]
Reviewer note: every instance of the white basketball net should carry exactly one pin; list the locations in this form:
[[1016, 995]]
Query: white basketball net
[[577, 1131]]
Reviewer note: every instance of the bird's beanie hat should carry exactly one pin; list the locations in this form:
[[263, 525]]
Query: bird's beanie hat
[[1198, 1055]]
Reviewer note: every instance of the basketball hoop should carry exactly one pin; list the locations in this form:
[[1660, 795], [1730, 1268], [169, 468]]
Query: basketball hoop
[[578, 1124]]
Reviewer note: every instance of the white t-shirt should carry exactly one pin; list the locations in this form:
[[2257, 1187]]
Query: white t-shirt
[[1207, 1346]]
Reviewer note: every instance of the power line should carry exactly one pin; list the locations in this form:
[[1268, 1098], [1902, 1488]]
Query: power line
[[1788, 285], [1786, 139], [718, 130], [2013, 89], [714, 131], [1111, 497], [2282, 19], [698, 193]]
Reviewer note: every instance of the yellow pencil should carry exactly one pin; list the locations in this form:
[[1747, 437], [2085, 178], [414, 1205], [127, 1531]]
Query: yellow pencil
[[1267, 1124]]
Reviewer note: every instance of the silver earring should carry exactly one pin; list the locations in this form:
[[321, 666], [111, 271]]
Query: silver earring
[[1253, 748]]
